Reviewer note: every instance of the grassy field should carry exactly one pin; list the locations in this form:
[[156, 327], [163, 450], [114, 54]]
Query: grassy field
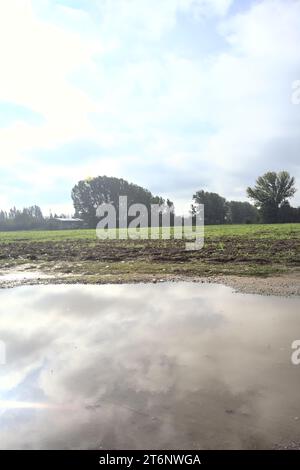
[[229, 249], [273, 231]]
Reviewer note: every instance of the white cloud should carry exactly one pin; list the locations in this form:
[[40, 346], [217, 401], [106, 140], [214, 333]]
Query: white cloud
[[36, 61], [145, 18], [270, 30], [212, 120]]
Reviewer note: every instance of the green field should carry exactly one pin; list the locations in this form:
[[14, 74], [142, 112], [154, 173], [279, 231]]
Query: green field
[[229, 249], [273, 231]]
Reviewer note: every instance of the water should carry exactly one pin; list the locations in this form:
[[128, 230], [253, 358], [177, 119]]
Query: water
[[147, 366]]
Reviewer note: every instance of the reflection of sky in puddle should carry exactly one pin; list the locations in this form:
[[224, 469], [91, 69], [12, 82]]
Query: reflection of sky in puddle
[[147, 366]]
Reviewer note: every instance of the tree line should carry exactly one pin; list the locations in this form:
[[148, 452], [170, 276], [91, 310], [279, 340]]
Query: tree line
[[270, 196], [28, 218]]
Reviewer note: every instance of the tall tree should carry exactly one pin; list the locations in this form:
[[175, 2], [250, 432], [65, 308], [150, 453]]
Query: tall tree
[[88, 194], [241, 213], [26, 219], [288, 214], [270, 192], [214, 207]]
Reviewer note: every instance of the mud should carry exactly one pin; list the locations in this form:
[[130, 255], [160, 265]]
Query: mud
[[218, 250], [283, 285], [261, 265]]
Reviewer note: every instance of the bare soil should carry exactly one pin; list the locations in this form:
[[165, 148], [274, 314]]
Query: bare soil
[[218, 250], [259, 265]]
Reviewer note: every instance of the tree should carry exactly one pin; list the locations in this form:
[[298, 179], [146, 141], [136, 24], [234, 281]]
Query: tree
[[241, 213], [26, 219], [270, 192], [88, 194], [288, 214], [214, 207]]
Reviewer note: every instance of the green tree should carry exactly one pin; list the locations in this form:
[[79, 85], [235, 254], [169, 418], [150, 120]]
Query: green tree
[[214, 207], [241, 213], [270, 192], [288, 214], [88, 194], [26, 219]]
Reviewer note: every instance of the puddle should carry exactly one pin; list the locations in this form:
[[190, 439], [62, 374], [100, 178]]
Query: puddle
[[147, 366]]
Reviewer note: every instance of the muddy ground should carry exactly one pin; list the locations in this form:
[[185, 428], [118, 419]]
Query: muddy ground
[[217, 251], [258, 265]]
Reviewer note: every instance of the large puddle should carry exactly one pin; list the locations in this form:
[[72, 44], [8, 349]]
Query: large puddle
[[147, 366]]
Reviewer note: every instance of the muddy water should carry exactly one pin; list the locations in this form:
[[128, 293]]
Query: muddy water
[[147, 366]]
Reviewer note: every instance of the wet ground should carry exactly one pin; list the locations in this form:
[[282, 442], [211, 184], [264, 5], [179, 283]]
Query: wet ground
[[255, 259], [89, 260], [176, 365], [261, 251], [285, 285]]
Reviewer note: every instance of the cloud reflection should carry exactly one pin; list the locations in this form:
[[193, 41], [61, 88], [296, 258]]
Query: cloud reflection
[[153, 366]]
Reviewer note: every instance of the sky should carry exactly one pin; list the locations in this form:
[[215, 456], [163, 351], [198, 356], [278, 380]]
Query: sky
[[173, 95]]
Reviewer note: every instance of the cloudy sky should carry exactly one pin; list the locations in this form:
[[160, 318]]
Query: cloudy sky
[[174, 95]]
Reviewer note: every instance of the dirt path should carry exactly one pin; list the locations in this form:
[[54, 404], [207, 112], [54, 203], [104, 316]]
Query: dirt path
[[283, 285]]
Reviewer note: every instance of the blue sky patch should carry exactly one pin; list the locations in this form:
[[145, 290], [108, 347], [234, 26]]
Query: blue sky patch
[[12, 112]]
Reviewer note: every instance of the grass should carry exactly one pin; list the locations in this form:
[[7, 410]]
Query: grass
[[270, 231], [259, 250]]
